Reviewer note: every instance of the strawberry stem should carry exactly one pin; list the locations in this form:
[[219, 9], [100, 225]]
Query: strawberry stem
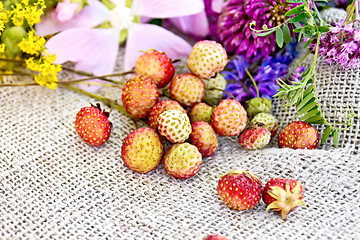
[[253, 81]]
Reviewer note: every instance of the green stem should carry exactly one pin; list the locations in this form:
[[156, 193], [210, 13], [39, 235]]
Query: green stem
[[253, 81], [105, 100]]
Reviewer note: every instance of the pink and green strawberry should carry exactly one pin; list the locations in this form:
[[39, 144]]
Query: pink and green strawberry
[[156, 65], [161, 107], [207, 58], [204, 138], [254, 138], [283, 195], [142, 150], [139, 95], [200, 112], [174, 125], [267, 121], [257, 105], [240, 190], [187, 89], [229, 118], [93, 125], [182, 160], [298, 135]]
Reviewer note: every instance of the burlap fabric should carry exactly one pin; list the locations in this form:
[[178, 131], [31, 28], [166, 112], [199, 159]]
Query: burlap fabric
[[54, 186]]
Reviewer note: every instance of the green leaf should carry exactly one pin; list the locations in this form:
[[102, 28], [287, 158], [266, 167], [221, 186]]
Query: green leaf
[[306, 108], [310, 114], [295, 10], [324, 29], [297, 25], [313, 119], [279, 37], [335, 135], [306, 100], [309, 42], [287, 36], [309, 90], [298, 18], [295, 98], [297, 30], [262, 34], [326, 134]]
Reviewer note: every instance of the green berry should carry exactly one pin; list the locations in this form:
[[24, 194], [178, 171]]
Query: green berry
[[257, 105]]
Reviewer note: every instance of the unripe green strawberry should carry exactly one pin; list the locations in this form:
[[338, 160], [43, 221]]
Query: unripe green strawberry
[[93, 125], [254, 138], [161, 107], [240, 190], [207, 58], [229, 118], [204, 138], [213, 96], [200, 112], [283, 195], [182, 160], [298, 135], [257, 105], [139, 95], [174, 125], [187, 89], [156, 65], [142, 150], [267, 121]]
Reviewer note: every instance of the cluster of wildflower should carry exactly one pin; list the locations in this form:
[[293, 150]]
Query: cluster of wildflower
[[13, 18], [266, 75], [340, 45], [47, 70]]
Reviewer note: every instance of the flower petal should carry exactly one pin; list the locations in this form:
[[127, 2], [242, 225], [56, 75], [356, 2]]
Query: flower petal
[[166, 8], [92, 15], [196, 24], [147, 36], [93, 50], [217, 5]]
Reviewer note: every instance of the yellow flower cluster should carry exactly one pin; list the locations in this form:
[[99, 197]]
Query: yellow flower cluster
[[29, 11], [3, 17], [47, 71], [32, 44]]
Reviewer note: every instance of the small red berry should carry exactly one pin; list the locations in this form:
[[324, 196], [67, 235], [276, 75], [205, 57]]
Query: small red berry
[[93, 125], [298, 135], [240, 190]]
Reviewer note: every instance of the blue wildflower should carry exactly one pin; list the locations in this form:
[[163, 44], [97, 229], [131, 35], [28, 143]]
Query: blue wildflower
[[236, 69]]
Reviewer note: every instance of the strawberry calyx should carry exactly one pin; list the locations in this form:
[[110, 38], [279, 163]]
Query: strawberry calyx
[[286, 199], [97, 105]]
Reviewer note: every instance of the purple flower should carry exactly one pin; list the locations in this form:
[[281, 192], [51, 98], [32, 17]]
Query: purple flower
[[234, 26], [238, 91], [340, 45], [236, 69], [296, 75]]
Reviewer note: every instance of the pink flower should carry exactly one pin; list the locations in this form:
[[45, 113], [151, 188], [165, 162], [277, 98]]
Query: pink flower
[[66, 10], [95, 50]]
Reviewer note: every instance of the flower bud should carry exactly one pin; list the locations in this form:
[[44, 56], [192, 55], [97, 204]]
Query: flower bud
[[11, 37]]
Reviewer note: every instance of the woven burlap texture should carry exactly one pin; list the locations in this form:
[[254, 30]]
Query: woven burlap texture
[[55, 186]]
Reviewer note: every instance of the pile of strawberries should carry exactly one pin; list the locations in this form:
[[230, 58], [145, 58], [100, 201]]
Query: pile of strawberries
[[189, 128]]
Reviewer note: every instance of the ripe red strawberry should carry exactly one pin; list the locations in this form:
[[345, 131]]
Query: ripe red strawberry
[[161, 107], [283, 195], [182, 160], [200, 112], [215, 237], [156, 65], [187, 89], [204, 138], [174, 125], [254, 138], [229, 118], [139, 95], [240, 190], [93, 125], [142, 150], [298, 135], [207, 58]]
